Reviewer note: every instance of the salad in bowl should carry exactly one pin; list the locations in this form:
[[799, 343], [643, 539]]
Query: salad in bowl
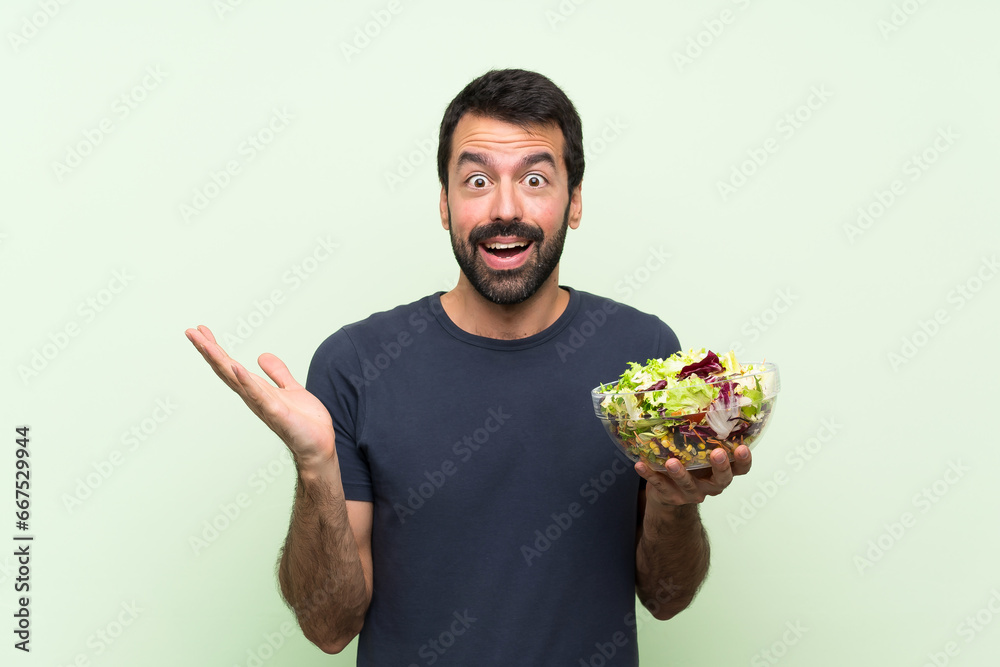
[[687, 405]]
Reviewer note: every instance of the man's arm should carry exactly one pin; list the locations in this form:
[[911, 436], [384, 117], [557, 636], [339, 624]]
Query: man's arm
[[325, 566], [671, 559], [672, 551], [325, 569]]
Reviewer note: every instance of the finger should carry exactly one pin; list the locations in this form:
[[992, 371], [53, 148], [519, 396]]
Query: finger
[[741, 465], [196, 337], [277, 371], [254, 385], [722, 474], [220, 363], [684, 481], [200, 343], [215, 356], [207, 333], [258, 394], [658, 481], [249, 389]]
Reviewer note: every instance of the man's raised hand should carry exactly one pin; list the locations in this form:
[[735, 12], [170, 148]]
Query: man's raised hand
[[296, 416]]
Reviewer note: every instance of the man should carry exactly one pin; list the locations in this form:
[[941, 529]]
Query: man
[[457, 501]]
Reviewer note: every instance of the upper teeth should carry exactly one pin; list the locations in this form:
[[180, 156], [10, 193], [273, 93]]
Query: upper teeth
[[502, 246]]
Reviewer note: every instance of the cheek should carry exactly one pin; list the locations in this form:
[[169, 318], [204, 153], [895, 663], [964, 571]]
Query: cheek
[[467, 214], [546, 211]]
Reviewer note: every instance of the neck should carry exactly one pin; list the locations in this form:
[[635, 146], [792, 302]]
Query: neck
[[472, 312]]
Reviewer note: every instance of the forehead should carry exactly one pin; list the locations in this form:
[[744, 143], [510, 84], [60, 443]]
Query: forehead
[[488, 135]]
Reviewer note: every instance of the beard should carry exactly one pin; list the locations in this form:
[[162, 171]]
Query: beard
[[509, 286]]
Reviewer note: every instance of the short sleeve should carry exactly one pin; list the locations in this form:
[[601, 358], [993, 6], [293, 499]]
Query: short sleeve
[[667, 343], [335, 378]]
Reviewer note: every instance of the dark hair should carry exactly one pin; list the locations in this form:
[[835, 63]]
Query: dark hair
[[521, 98]]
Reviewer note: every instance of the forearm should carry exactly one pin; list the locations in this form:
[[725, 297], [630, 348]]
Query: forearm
[[671, 558], [320, 571]]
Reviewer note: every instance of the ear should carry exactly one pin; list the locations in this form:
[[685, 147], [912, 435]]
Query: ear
[[443, 206], [576, 207]]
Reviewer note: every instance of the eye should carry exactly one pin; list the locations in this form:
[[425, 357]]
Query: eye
[[478, 181], [535, 180]]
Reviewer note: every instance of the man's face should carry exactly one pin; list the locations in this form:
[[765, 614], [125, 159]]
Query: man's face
[[507, 208]]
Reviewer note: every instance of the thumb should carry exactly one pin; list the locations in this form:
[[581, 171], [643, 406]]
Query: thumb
[[277, 371]]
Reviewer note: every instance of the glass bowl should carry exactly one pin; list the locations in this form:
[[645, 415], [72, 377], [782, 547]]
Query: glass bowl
[[651, 436]]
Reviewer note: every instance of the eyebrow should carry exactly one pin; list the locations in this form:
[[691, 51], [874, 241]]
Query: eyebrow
[[486, 160]]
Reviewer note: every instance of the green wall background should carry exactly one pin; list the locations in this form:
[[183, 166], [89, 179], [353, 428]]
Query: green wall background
[[867, 522]]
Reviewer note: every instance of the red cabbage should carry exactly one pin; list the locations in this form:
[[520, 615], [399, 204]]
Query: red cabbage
[[710, 364]]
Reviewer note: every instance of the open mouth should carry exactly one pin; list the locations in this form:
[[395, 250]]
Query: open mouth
[[505, 253]]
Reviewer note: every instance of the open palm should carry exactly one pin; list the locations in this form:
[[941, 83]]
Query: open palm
[[294, 414]]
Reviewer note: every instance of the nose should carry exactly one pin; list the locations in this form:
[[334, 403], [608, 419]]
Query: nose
[[506, 204]]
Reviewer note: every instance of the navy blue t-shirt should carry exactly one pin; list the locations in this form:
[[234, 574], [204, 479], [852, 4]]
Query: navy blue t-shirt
[[504, 521]]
